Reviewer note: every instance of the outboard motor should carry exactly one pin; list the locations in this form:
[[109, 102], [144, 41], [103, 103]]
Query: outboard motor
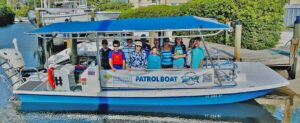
[[31, 17]]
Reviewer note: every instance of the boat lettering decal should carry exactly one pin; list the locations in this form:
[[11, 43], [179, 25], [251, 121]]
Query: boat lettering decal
[[58, 81]]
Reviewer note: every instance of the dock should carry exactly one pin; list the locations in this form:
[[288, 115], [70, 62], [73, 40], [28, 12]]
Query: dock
[[276, 58]]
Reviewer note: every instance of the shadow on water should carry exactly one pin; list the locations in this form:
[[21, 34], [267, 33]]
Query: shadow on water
[[246, 112]]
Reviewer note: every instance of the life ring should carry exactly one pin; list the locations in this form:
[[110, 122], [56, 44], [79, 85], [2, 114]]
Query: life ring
[[50, 77]]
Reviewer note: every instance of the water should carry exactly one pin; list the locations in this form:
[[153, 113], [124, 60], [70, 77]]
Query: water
[[27, 43], [248, 112]]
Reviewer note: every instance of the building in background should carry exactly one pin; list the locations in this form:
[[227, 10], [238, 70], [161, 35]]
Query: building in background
[[292, 10], [143, 3]]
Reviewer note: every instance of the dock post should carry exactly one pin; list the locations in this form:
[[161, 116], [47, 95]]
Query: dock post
[[294, 53], [151, 39], [74, 50], [93, 15], [237, 42], [41, 50]]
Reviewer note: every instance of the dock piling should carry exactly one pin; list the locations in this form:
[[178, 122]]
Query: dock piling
[[237, 42], [294, 51]]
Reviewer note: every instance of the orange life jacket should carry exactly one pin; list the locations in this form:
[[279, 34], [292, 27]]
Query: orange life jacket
[[117, 59]]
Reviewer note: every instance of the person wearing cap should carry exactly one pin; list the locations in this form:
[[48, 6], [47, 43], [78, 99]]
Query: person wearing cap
[[146, 47], [104, 55], [128, 49], [116, 57], [138, 58], [166, 54]]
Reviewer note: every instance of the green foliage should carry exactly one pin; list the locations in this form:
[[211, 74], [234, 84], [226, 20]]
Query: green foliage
[[2, 2], [262, 20], [7, 16], [22, 12], [150, 11]]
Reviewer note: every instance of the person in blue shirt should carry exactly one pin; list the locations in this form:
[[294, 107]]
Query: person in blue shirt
[[128, 49], [116, 57], [166, 54], [178, 53], [198, 54], [154, 59], [146, 47], [138, 58]]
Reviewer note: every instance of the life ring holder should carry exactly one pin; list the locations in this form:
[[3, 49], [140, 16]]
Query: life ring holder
[[51, 78]]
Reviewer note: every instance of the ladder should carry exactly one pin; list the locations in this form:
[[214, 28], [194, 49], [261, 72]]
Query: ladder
[[11, 73]]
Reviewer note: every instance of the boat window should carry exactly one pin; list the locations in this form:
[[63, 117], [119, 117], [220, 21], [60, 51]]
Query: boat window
[[16, 54], [5, 53]]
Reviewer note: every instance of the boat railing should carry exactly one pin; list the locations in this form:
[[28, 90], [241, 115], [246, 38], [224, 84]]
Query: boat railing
[[32, 68]]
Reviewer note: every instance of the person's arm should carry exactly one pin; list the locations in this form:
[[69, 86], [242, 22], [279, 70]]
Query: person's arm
[[123, 60], [110, 61], [145, 61]]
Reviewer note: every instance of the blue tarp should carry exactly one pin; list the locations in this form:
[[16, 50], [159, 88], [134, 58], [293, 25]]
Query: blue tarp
[[133, 24]]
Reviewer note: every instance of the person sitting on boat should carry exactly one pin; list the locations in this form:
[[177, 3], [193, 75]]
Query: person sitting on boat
[[197, 54], [154, 59], [79, 68], [116, 57], [178, 53], [128, 49], [189, 53], [104, 55], [138, 58], [166, 54], [146, 47], [156, 45]]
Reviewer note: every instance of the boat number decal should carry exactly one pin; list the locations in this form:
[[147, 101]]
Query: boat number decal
[[58, 81]]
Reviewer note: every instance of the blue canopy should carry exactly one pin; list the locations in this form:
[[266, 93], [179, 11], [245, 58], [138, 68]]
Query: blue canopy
[[133, 24]]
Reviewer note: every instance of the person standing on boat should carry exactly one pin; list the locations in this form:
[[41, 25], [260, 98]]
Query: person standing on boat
[[104, 55], [128, 49], [166, 54], [178, 53], [138, 58], [116, 57], [189, 53], [156, 45], [146, 47], [197, 54], [154, 59]]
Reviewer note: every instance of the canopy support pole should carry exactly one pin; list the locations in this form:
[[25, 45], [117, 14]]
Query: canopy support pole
[[74, 50], [98, 59], [203, 41]]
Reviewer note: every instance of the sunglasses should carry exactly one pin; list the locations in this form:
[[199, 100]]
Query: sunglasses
[[138, 46], [116, 45]]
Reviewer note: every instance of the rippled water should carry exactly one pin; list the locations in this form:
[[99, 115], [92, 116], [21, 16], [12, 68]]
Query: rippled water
[[248, 112]]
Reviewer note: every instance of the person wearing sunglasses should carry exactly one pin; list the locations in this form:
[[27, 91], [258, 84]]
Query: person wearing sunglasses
[[138, 58], [116, 57], [104, 55]]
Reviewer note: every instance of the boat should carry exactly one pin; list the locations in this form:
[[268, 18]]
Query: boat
[[218, 82], [68, 10]]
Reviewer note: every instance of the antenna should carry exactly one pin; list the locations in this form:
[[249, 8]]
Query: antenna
[[15, 42]]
